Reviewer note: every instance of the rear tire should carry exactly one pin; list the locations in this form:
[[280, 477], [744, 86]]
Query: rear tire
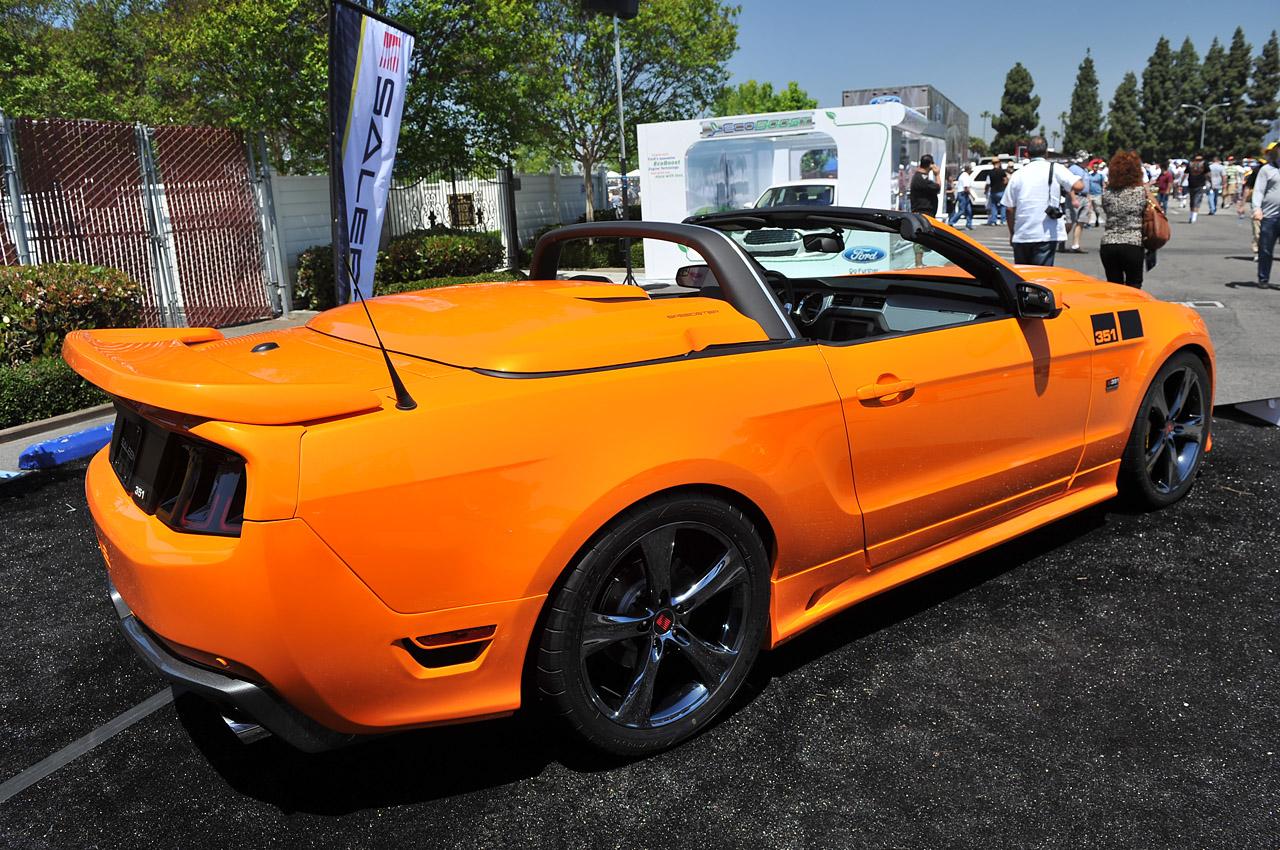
[[656, 626], [1166, 445]]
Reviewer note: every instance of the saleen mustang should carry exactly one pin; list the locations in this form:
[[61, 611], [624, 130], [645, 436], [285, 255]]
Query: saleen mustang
[[609, 498]]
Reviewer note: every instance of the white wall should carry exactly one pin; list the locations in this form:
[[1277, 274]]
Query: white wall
[[302, 215]]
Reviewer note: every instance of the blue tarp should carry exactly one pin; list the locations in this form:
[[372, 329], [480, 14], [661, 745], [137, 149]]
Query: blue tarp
[[50, 453]]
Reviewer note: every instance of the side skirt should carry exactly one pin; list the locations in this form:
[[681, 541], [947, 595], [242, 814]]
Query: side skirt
[[807, 598]]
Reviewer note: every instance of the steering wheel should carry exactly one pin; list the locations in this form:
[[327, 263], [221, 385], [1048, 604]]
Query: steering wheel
[[782, 288]]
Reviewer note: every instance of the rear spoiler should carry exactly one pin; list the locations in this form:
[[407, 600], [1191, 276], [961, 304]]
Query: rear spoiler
[[165, 368]]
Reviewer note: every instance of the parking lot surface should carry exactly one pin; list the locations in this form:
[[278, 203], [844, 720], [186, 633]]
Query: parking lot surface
[[1110, 680]]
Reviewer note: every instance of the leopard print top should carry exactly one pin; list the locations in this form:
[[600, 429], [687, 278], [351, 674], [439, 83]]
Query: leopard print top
[[1124, 209]]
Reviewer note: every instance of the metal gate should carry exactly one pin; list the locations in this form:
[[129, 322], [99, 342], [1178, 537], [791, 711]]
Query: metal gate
[[174, 208], [215, 231], [446, 198]]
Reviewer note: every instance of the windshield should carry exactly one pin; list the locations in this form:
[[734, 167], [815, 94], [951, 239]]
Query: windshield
[[815, 194], [861, 251]]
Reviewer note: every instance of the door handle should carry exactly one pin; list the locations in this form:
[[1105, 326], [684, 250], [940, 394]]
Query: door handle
[[871, 392]]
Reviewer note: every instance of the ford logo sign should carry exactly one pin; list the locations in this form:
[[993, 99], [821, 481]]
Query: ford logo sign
[[885, 98], [863, 254]]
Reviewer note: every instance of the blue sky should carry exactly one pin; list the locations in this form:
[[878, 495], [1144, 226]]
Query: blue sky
[[828, 46]]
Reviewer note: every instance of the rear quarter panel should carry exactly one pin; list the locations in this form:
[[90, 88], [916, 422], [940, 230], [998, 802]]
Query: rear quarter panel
[[491, 486]]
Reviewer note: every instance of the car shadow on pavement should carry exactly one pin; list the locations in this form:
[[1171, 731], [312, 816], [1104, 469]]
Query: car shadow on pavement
[[399, 769], [918, 595]]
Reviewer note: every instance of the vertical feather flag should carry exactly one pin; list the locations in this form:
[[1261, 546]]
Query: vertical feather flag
[[368, 69]]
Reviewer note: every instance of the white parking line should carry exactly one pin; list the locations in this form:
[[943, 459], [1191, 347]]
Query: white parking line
[[74, 750]]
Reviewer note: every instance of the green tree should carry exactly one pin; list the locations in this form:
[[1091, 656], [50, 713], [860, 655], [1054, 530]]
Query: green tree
[[1084, 122], [978, 146], [79, 59], [1213, 88], [1018, 110], [476, 85], [1264, 93], [673, 65], [253, 66], [1159, 102], [751, 97], [1186, 82], [1237, 126], [1125, 130]]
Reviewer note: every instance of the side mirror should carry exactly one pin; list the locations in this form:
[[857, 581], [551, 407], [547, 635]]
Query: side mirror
[[695, 277], [1036, 302]]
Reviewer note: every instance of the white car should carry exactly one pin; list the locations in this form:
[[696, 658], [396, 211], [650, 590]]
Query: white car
[[816, 192], [979, 190]]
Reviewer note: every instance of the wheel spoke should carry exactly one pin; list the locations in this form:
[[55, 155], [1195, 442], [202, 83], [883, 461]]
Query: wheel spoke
[[711, 662], [601, 630], [725, 573], [1171, 466], [637, 705], [658, 548], [1153, 454], [1184, 390], [1161, 404]]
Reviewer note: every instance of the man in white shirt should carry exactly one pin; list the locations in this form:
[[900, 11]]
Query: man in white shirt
[[964, 198], [1034, 189]]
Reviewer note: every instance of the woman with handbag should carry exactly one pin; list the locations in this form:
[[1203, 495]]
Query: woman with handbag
[[1123, 252]]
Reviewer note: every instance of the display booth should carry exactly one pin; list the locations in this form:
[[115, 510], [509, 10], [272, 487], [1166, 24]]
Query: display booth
[[717, 164]]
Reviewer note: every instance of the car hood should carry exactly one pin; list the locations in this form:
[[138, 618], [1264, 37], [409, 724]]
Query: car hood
[[540, 326], [1074, 288]]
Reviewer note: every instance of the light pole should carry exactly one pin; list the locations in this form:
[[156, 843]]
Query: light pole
[[1204, 113]]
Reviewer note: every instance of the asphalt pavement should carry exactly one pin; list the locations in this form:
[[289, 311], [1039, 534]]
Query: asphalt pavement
[[1110, 680]]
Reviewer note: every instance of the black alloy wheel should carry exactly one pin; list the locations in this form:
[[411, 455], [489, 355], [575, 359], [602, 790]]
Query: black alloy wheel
[[657, 625], [1167, 444]]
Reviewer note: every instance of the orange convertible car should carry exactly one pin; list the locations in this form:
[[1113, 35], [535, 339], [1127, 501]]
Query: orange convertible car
[[610, 498]]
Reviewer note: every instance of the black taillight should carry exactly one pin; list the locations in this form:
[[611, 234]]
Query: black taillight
[[209, 496], [188, 484]]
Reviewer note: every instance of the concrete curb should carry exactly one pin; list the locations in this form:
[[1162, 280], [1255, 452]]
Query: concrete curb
[[28, 429]]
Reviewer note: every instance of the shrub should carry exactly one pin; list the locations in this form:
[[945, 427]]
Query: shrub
[[415, 256], [40, 304], [43, 388], [425, 254], [314, 289]]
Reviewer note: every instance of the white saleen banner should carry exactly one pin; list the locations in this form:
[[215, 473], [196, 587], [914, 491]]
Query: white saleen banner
[[368, 66]]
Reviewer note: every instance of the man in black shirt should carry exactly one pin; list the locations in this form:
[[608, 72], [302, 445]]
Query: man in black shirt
[[925, 185], [997, 179]]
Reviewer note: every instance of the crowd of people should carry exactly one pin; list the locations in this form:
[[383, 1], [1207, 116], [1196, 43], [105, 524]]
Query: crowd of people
[[1047, 204]]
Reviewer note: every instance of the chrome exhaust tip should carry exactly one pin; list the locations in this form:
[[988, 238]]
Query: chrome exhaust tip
[[246, 733]]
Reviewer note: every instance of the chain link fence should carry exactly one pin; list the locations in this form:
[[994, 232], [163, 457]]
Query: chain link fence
[[173, 207]]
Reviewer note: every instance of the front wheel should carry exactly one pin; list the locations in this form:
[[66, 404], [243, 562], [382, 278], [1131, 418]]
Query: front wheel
[[1166, 446], [657, 625]]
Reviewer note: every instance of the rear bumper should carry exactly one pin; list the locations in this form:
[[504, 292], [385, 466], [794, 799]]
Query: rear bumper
[[310, 649], [253, 701]]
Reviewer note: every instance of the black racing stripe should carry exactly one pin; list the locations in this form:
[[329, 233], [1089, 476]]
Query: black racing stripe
[[1130, 324]]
